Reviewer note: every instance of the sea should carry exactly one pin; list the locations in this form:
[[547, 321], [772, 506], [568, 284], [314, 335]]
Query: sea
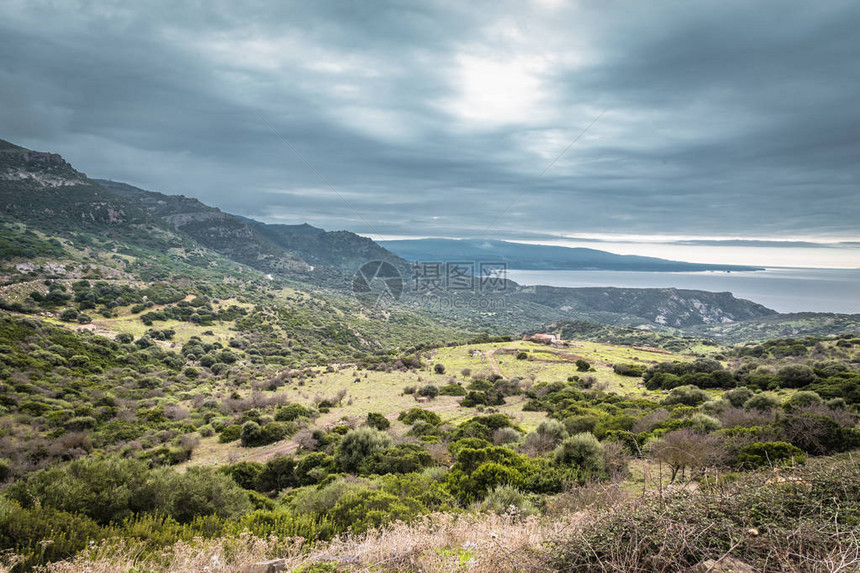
[[780, 288]]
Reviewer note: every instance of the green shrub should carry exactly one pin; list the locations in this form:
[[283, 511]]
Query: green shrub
[[737, 397], [472, 443], [279, 473], [292, 412], [686, 395], [252, 434], [415, 414], [634, 370], [702, 423], [26, 531], [553, 430], [364, 509], [763, 402], [761, 454], [69, 315], [197, 492], [80, 423], [230, 433], [473, 399], [314, 468], [245, 474], [482, 427], [505, 499], [377, 420], [104, 489], [399, 459], [803, 399], [579, 424], [582, 451], [428, 391], [452, 389], [489, 476], [109, 490], [359, 444], [795, 376]]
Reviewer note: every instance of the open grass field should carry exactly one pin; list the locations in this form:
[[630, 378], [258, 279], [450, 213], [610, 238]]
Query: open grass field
[[383, 392]]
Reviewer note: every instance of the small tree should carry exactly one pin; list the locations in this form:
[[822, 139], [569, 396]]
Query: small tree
[[685, 448], [251, 434], [428, 391], [69, 315], [583, 365], [439, 368]]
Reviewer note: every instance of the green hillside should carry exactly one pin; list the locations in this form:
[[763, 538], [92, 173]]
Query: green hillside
[[185, 389]]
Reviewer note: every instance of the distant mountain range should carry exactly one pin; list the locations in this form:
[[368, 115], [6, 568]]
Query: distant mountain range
[[55, 217], [540, 257]]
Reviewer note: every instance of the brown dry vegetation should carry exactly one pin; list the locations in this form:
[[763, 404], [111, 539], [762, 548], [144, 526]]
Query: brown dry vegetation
[[807, 520]]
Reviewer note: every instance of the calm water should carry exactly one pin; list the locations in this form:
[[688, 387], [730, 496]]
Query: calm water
[[782, 289]]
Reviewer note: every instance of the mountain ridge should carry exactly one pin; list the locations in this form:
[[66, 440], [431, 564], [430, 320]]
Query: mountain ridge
[[525, 256], [173, 234]]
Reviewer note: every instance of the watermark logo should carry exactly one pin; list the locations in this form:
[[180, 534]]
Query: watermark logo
[[377, 282], [434, 284], [434, 277]]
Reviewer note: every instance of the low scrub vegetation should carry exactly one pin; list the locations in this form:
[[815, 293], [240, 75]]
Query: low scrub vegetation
[[93, 425]]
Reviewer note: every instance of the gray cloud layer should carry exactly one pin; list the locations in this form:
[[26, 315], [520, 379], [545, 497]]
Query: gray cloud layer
[[721, 118]]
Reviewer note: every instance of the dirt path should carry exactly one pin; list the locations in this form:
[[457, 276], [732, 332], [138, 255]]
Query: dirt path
[[494, 364], [285, 448]]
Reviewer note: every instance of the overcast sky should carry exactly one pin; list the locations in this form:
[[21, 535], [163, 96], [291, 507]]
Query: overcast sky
[[695, 120]]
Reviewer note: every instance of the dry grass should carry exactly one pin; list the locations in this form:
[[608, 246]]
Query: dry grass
[[809, 523], [199, 556], [444, 542], [440, 542]]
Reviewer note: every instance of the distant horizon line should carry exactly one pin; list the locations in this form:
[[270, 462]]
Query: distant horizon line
[[773, 254], [552, 240]]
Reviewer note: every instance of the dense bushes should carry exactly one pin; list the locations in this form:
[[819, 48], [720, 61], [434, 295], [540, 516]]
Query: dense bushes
[[416, 414], [252, 434], [83, 395], [292, 412], [634, 370], [703, 373], [774, 454], [399, 459], [112, 489]]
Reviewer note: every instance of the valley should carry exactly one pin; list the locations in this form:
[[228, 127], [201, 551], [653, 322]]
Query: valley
[[181, 384]]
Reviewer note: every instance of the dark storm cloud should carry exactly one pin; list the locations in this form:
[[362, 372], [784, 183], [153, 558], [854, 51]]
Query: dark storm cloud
[[721, 119]]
